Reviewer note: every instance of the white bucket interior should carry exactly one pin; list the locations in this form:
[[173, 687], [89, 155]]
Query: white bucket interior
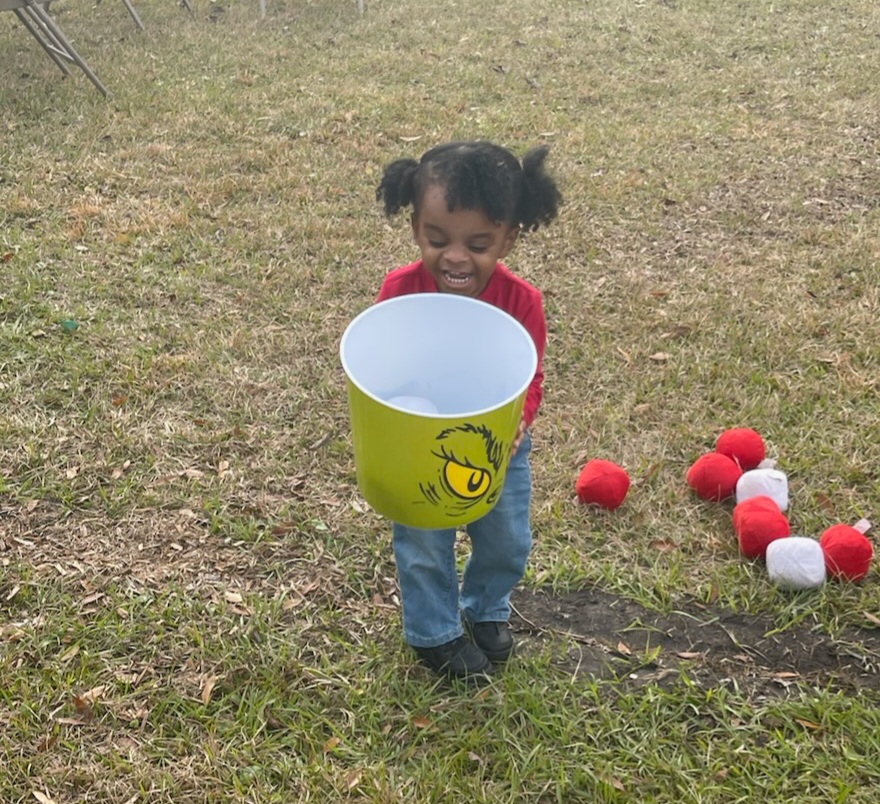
[[456, 354]]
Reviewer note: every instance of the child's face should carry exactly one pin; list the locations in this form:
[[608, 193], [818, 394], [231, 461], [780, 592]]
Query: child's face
[[459, 248]]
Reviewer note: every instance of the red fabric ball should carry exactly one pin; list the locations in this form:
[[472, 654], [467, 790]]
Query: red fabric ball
[[848, 552], [743, 445], [758, 525], [759, 503], [602, 483], [713, 476]]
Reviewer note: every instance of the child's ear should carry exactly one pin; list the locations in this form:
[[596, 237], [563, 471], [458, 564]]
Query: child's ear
[[509, 241]]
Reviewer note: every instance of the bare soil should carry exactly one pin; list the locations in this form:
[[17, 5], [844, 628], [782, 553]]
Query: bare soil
[[611, 637]]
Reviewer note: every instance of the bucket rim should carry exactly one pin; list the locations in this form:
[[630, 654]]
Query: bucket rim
[[442, 298]]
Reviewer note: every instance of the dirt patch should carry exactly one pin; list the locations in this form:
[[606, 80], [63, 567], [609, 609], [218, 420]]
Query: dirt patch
[[612, 637]]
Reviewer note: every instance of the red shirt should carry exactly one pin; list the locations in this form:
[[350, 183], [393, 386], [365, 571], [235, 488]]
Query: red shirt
[[505, 290]]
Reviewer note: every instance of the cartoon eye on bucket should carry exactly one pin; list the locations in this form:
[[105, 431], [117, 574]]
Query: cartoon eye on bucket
[[464, 481]]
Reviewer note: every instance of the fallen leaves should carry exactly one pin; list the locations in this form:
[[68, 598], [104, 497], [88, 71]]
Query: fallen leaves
[[208, 688]]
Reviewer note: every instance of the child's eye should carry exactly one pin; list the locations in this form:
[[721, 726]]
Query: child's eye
[[479, 249], [436, 244]]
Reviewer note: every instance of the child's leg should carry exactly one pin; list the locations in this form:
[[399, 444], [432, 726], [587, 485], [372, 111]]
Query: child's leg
[[428, 580], [500, 542]]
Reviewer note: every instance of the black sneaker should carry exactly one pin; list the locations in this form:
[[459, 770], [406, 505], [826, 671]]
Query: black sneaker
[[493, 638], [457, 659]]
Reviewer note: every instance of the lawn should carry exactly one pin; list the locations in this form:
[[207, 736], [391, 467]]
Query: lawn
[[197, 606]]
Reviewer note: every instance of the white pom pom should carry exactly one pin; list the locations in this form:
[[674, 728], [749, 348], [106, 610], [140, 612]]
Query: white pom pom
[[763, 482], [414, 404], [796, 563]]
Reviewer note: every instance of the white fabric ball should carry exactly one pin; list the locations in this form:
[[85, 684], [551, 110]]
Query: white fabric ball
[[763, 482], [796, 562], [414, 404]]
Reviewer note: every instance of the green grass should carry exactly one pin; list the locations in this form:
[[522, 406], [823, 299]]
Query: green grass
[[178, 505]]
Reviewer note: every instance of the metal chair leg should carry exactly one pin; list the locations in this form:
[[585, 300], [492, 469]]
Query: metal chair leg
[[134, 14], [23, 15], [47, 21]]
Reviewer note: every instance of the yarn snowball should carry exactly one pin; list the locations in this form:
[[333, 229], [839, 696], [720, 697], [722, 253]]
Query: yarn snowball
[[761, 503], [743, 445], [796, 563], [848, 552], [757, 526], [714, 476], [602, 483], [763, 483]]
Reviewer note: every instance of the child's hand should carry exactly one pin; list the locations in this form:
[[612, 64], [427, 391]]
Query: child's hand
[[517, 439]]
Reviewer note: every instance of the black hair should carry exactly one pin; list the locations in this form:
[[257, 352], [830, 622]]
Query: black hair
[[477, 175]]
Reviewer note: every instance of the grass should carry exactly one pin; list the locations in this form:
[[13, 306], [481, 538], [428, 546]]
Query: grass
[[195, 604]]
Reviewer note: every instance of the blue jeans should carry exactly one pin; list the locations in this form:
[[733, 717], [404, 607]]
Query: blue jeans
[[433, 604]]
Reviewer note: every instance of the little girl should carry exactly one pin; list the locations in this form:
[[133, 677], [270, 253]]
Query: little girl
[[470, 202]]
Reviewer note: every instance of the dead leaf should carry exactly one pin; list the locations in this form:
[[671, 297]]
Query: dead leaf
[[871, 618], [410, 139], [83, 708], [208, 688], [7, 257], [808, 724], [72, 472], [786, 674], [353, 779], [825, 502], [659, 357], [92, 598], [664, 545], [689, 654], [69, 654], [421, 722], [623, 648], [43, 798], [473, 757], [331, 744], [118, 400], [232, 597], [47, 743], [94, 694]]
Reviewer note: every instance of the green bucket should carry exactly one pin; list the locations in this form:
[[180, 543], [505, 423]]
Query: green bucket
[[436, 387]]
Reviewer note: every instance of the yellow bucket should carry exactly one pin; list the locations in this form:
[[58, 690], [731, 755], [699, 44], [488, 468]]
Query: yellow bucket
[[436, 387]]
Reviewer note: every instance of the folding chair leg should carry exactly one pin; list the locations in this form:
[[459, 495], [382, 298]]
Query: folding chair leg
[[58, 34], [38, 35], [134, 14]]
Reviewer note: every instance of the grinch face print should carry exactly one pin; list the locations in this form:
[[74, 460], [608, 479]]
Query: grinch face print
[[469, 459]]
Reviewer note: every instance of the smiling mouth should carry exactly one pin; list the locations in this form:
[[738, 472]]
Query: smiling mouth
[[456, 280]]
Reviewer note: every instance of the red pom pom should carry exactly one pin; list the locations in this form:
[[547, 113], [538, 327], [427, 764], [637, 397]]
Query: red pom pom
[[759, 503], [743, 445], [602, 483], [848, 552], [713, 476], [758, 522]]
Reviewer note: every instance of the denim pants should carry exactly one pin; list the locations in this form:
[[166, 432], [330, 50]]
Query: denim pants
[[433, 603]]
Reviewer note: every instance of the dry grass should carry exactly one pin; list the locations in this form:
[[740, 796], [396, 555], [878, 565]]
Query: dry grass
[[179, 523]]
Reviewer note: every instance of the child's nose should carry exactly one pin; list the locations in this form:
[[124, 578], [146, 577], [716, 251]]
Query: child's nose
[[456, 254]]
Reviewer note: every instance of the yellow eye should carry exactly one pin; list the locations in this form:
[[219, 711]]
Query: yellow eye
[[467, 481]]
